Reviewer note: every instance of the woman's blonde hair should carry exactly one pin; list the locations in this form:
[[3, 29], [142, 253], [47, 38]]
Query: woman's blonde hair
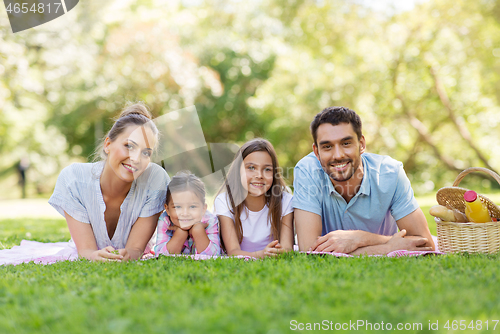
[[133, 114]]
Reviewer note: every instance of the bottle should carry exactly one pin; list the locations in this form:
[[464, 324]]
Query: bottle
[[475, 210]]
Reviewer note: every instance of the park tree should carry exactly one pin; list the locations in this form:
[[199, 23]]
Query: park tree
[[424, 81], [416, 78]]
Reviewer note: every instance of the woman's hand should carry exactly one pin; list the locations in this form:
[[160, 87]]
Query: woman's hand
[[84, 239], [139, 236], [130, 254], [106, 254]]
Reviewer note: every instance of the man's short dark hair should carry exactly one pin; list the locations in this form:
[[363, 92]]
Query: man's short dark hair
[[335, 116]]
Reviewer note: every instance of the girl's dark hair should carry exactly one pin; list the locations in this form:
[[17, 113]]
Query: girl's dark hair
[[236, 194], [186, 181], [133, 114]]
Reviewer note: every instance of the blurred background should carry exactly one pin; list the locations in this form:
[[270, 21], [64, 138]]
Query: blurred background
[[423, 75]]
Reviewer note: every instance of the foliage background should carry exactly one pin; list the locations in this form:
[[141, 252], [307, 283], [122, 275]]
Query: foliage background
[[425, 80]]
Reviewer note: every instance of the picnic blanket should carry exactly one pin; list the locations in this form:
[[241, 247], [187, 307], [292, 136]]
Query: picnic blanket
[[396, 253], [39, 252], [48, 253]]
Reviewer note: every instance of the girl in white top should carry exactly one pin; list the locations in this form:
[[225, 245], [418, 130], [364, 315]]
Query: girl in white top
[[112, 206], [254, 208]]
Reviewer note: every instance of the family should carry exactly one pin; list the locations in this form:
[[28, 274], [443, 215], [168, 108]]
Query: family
[[345, 200]]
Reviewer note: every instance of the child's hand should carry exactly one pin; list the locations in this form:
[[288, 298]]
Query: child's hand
[[198, 227], [273, 249], [205, 225], [175, 226], [187, 228]]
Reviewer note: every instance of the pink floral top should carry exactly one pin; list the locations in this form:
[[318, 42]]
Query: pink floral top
[[164, 234]]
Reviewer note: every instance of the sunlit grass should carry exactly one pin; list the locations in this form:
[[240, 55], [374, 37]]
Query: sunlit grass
[[12, 231], [178, 295]]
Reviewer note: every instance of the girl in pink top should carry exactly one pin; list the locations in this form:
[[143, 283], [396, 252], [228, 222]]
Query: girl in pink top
[[186, 226]]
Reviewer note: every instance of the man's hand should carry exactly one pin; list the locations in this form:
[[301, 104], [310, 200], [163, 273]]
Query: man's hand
[[338, 241], [411, 243]]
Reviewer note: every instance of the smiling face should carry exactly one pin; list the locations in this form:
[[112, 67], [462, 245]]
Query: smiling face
[[185, 209], [257, 173], [339, 151], [130, 153]]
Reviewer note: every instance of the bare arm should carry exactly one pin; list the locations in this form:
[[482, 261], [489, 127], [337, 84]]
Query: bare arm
[[175, 244], [228, 234], [139, 236], [309, 228], [211, 231], [416, 225], [348, 241], [362, 242], [397, 242], [200, 237], [359, 242], [286, 235], [286, 238], [414, 235], [84, 239]]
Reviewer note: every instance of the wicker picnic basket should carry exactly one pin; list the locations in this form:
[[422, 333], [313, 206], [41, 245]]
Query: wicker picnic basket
[[467, 237]]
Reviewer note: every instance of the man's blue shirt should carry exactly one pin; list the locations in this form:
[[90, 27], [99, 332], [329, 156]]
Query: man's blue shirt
[[385, 195]]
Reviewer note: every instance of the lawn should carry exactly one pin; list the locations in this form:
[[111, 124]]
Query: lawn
[[178, 295]]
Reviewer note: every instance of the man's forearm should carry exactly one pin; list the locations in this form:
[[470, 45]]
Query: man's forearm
[[381, 249], [373, 244], [347, 241], [371, 239], [396, 242]]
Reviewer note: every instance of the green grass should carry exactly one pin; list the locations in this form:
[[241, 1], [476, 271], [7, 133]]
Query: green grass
[[177, 295], [12, 231], [232, 296]]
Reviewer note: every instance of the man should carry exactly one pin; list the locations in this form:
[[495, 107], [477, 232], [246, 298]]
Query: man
[[350, 201]]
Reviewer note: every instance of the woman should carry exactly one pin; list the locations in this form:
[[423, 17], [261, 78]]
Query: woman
[[112, 206]]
